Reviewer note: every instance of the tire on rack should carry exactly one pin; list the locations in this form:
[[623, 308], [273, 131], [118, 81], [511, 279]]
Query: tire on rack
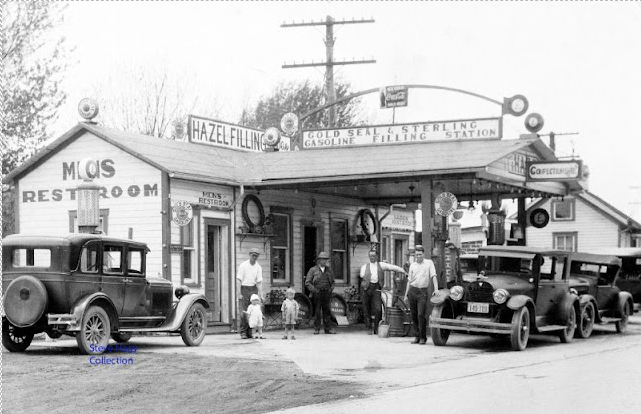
[[440, 335], [622, 325], [586, 321], [567, 334], [194, 325], [520, 329], [15, 339], [121, 337], [95, 329]]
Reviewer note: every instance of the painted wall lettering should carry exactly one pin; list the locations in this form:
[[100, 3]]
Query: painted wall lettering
[[69, 194], [106, 169]]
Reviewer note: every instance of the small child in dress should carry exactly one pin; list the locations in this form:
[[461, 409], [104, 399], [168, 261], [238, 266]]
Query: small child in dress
[[290, 310], [255, 317]]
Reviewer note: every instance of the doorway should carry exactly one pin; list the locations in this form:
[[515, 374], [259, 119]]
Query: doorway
[[310, 235], [216, 263]]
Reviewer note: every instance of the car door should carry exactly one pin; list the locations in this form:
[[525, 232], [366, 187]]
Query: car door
[[113, 273], [552, 289], [135, 284]]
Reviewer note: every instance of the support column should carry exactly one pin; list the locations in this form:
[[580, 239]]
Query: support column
[[522, 220], [427, 212]]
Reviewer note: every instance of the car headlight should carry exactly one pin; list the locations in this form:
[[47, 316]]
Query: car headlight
[[456, 292], [181, 291], [500, 295]]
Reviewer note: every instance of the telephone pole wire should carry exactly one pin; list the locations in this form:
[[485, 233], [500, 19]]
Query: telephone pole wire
[[329, 63]]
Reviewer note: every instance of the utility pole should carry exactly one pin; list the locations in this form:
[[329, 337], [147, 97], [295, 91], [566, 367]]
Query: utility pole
[[329, 57], [552, 135]]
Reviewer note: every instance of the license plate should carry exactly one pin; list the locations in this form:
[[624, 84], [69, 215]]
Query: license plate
[[478, 307]]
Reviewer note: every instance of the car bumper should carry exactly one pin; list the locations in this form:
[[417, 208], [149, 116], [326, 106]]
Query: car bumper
[[471, 325], [62, 321]]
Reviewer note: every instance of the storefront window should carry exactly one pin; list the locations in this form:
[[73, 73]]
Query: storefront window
[[340, 264], [565, 241], [189, 252], [281, 247]]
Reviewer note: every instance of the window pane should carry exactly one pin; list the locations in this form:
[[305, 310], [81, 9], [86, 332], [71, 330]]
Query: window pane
[[135, 261], [187, 263], [338, 265], [32, 258], [563, 210], [187, 234], [339, 235], [89, 259], [279, 264], [112, 259], [281, 230]]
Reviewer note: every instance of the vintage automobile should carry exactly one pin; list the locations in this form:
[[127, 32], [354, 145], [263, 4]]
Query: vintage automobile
[[629, 278], [518, 290], [593, 278], [91, 287]]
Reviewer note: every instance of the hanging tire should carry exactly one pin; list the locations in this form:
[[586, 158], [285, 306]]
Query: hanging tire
[[567, 334], [15, 339], [95, 329], [121, 337], [440, 335], [193, 327], [586, 321], [622, 325], [520, 329]]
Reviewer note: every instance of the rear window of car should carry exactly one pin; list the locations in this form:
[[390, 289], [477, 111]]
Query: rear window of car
[[31, 258]]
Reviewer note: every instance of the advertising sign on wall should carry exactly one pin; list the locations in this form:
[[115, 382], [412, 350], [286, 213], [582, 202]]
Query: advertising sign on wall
[[470, 129], [554, 171], [393, 96], [399, 220]]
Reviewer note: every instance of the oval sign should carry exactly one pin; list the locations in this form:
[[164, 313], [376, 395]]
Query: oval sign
[[445, 204], [182, 213], [289, 123]]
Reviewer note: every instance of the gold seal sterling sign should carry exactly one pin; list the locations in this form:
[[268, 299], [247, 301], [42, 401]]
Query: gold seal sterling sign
[[182, 213], [445, 204]]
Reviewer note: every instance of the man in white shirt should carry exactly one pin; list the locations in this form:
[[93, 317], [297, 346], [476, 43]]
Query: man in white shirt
[[372, 281], [421, 284], [250, 281]]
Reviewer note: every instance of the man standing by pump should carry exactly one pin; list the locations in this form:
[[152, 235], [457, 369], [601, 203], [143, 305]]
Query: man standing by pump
[[372, 281], [421, 284], [320, 282], [250, 281]]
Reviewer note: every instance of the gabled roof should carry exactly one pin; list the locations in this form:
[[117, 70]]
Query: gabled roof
[[236, 167], [597, 203]]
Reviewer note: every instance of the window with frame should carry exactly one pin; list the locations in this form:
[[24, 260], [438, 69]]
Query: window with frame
[[188, 259], [340, 257], [135, 261], [103, 225], [112, 259], [565, 241], [281, 248], [563, 210], [31, 258], [89, 258]]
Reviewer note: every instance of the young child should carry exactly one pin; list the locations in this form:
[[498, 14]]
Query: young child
[[255, 317], [290, 310]]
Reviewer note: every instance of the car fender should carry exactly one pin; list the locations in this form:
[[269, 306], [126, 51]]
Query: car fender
[[177, 315], [518, 301], [79, 308], [571, 303], [440, 296], [623, 298]]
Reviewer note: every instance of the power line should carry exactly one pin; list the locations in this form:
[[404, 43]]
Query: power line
[[329, 62]]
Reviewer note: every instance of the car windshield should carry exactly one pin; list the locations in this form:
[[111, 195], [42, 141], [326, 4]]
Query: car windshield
[[519, 266]]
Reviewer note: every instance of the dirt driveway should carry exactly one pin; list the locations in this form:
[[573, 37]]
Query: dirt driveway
[[50, 379]]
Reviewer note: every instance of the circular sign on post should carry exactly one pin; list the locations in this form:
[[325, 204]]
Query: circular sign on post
[[88, 109], [516, 105], [445, 204], [289, 123], [534, 122], [182, 213], [272, 137], [539, 218]]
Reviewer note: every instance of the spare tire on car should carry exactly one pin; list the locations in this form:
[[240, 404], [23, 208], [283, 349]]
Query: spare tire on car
[[25, 301]]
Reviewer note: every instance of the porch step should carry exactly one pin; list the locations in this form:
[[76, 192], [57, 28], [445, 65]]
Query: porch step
[[218, 328]]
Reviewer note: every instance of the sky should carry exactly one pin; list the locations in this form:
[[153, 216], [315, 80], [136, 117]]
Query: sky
[[578, 63]]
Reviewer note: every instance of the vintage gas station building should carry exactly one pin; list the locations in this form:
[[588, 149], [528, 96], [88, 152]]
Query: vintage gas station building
[[202, 203]]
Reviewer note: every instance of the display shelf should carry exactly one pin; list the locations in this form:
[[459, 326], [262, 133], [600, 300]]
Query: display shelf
[[266, 237]]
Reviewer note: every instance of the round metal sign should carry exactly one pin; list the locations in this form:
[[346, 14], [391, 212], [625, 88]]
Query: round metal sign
[[182, 213], [272, 137], [88, 169], [88, 108], [539, 218], [289, 123], [445, 204]]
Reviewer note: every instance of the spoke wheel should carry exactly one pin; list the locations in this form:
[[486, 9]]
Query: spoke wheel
[[520, 329], [622, 325], [439, 335], [194, 325], [93, 336], [586, 321], [15, 339], [567, 334]]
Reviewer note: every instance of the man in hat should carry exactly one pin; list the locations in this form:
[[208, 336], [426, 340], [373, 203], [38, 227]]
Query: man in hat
[[421, 284], [320, 282], [372, 281], [250, 281]]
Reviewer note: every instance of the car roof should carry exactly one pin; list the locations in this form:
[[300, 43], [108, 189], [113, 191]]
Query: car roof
[[522, 249], [621, 251], [595, 258], [64, 240]]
